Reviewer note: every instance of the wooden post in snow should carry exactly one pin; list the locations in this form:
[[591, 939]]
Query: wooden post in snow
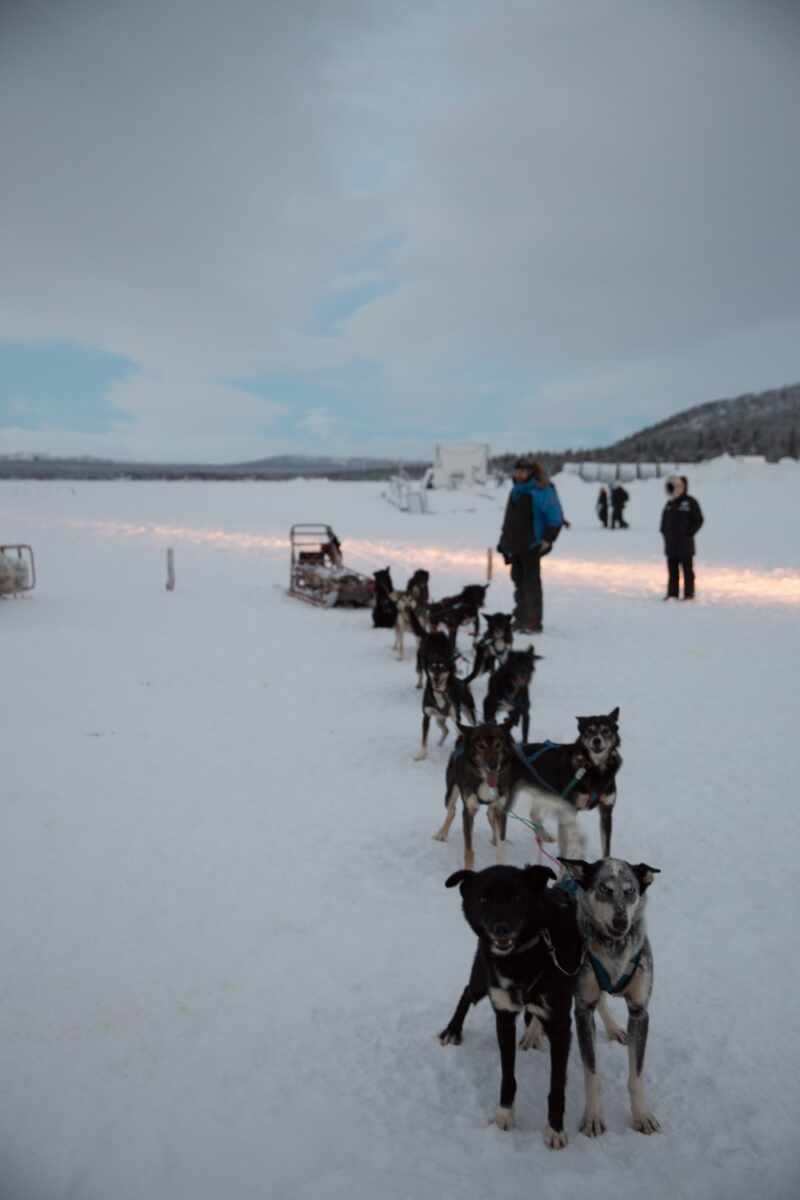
[[489, 564], [170, 570]]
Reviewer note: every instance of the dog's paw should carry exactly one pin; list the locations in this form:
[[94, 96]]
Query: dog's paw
[[544, 836], [645, 1122], [420, 755], [555, 1139], [449, 1037], [439, 836], [616, 1033], [504, 1117], [593, 1124], [533, 1037]]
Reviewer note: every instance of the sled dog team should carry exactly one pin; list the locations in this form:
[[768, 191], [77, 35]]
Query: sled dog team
[[542, 940]]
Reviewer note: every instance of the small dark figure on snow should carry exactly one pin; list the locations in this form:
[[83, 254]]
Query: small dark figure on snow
[[602, 507], [619, 498], [680, 521]]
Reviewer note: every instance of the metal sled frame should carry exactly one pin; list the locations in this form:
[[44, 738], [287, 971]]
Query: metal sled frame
[[23, 551], [324, 584]]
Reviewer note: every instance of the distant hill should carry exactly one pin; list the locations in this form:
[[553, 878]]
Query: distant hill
[[279, 467], [765, 423]]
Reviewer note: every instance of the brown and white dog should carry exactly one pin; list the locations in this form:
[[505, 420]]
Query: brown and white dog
[[480, 771]]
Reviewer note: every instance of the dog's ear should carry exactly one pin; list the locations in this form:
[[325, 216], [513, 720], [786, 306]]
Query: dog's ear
[[614, 715], [537, 877], [580, 871], [462, 877], [582, 723], [464, 730], [645, 875]]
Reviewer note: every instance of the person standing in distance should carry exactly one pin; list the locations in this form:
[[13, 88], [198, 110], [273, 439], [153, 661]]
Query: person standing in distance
[[601, 507], [680, 521], [619, 498], [532, 522]]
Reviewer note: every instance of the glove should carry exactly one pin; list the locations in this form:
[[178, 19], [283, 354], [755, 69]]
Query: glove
[[544, 548], [505, 557]]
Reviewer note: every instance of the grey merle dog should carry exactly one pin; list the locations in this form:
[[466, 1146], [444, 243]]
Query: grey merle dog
[[612, 898], [564, 779], [446, 697], [492, 649], [528, 957], [480, 771]]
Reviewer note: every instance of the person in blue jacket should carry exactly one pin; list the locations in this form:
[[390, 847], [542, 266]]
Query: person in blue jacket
[[532, 522]]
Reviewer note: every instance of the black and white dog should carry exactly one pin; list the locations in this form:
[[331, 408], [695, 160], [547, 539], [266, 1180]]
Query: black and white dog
[[454, 611], [384, 609], [509, 690], [481, 770], [433, 646], [492, 649], [446, 697], [528, 959], [619, 962], [563, 779]]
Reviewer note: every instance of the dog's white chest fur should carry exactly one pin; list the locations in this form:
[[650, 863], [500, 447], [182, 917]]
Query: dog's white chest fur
[[486, 793]]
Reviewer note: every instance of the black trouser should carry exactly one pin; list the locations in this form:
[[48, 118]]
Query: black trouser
[[674, 566], [618, 519], [526, 575]]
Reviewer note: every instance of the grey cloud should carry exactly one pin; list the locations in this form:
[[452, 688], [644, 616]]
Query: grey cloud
[[594, 194]]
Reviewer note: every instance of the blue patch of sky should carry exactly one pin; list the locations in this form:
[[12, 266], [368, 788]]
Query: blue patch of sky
[[338, 305], [57, 385]]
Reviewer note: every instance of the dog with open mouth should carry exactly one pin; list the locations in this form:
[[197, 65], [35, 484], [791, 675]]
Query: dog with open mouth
[[563, 779], [480, 771], [611, 896], [528, 958]]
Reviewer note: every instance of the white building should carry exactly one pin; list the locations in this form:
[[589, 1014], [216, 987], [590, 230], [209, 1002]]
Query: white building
[[460, 465]]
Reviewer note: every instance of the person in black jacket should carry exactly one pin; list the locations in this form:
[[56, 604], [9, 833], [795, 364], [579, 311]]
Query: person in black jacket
[[532, 522], [680, 521], [602, 507], [619, 498]]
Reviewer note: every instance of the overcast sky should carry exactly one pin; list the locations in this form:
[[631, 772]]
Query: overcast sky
[[231, 230]]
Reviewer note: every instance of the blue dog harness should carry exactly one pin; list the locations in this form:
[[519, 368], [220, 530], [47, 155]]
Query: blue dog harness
[[576, 778], [604, 979]]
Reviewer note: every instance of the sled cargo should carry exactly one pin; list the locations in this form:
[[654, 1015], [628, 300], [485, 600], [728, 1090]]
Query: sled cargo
[[17, 569], [317, 573]]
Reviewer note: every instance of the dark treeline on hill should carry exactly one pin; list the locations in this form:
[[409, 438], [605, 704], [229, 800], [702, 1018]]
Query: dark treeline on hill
[[767, 424]]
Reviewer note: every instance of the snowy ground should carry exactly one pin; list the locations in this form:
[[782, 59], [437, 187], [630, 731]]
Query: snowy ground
[[226, 941]]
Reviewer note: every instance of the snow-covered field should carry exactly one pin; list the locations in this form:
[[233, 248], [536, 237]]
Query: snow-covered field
[[227, 946]]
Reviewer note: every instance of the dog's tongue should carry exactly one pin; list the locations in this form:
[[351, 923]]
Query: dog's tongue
[[491, 778]]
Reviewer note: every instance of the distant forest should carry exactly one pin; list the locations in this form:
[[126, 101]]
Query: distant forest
[[766, 424]]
